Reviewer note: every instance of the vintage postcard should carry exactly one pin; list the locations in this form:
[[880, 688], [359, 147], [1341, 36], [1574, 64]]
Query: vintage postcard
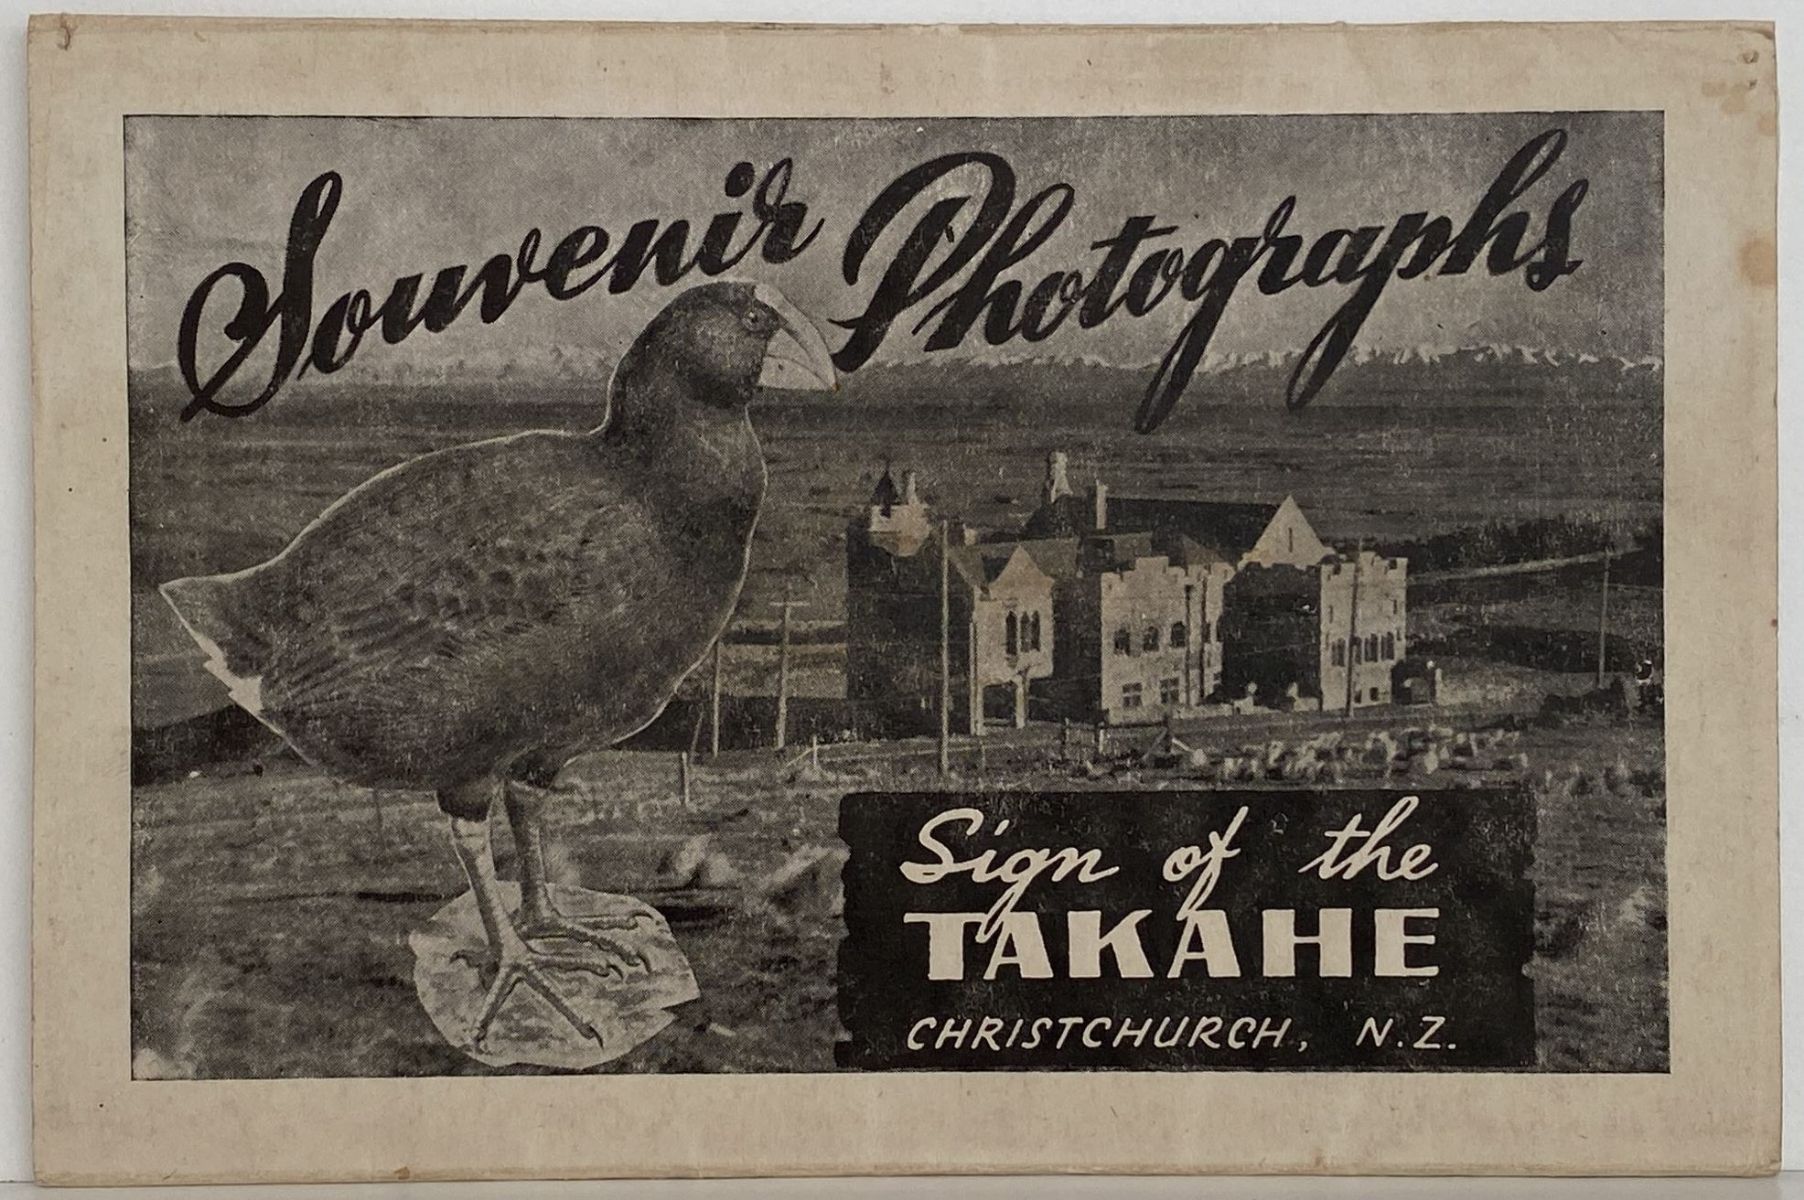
[[748, 620]]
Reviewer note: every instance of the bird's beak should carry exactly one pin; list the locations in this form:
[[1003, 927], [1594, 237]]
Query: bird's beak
[[798, 357]]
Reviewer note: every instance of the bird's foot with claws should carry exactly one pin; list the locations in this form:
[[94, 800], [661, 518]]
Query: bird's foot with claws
[[551, 925], [517, 964]]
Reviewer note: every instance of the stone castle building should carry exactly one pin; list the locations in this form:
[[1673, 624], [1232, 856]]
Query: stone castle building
[[1108, 608]]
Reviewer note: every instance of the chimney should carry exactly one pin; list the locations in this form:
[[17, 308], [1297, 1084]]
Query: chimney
[[1057, 486], [908, 488], [1099, 495]]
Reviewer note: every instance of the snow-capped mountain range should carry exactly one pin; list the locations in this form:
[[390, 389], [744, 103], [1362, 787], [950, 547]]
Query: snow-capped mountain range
[[1430, 354], [1434, 374]]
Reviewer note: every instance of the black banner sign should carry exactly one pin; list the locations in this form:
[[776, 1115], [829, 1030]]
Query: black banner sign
[[1250, 930]]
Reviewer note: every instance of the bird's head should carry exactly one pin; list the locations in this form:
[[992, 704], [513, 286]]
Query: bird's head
[[725, 340]]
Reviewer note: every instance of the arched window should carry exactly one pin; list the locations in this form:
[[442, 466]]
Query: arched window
[[1150, 639], [1371, 647], [1124, 641], [1013, 637], [1390, 646], [1354, 648], [1033, 631], [1180, 636], [1339, 653]]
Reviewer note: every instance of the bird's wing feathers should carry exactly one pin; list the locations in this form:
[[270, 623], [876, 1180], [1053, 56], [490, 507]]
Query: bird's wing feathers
[[485, 550]]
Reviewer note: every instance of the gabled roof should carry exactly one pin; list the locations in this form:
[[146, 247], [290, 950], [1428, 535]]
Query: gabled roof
[[1069, 558], [982, 564], [1058, 557], [1229, 530]]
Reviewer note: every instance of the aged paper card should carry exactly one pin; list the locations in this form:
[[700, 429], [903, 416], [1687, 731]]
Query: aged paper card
[[672, 600]]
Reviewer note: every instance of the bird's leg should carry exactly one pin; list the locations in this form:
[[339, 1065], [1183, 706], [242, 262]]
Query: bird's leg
[[514, 962], [539, 917]]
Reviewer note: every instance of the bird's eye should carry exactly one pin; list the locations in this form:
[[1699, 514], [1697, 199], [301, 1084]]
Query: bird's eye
[[756, 320]]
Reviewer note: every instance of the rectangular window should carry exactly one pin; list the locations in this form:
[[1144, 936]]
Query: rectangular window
[[1168, 692], [1131, 695]]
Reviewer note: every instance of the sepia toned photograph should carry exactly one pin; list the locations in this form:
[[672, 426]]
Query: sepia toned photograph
[[766, 596], [619, 601]]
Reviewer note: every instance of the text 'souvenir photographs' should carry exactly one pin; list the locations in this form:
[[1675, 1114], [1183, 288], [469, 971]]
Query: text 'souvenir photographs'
[[761, 595]]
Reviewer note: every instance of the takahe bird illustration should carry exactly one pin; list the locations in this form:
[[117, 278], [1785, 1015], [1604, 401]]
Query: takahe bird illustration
[[470, 620]]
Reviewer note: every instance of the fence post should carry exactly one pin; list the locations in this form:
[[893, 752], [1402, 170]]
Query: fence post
[[683, 777], [1603, 618], [714, 721], [945, 745]]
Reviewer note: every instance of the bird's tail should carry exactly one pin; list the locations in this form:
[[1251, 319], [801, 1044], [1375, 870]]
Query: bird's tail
[[211, 608]]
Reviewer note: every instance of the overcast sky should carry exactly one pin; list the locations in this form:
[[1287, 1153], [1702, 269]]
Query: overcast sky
[[425, 194]]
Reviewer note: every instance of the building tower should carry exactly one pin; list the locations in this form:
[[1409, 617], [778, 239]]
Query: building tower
[[895, 521], [892, 608]]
